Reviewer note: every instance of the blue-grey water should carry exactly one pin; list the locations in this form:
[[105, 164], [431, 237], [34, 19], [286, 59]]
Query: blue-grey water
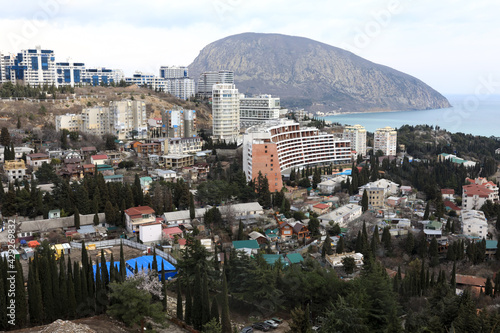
[[470, 114]]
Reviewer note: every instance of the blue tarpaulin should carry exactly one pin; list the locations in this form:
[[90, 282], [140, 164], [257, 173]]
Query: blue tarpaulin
[[143, 263]]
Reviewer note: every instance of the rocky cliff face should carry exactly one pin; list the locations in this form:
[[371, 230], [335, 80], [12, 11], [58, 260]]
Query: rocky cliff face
[[304, 72]]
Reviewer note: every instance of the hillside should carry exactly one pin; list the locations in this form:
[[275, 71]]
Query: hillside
[[307, 73], [41, 113]]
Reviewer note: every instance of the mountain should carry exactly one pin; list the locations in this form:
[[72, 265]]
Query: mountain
[[314, 75]]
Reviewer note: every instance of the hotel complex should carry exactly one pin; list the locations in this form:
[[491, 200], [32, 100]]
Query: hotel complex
[[258, 109], [208, 79], [385, 139], [279, 145], [357, 135]]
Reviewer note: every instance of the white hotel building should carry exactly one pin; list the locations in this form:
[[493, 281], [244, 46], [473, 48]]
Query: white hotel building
[[357, 135], [278, 145], [385, 139], [258, 109]]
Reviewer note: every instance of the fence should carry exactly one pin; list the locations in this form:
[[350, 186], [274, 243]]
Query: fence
[[135, 245]]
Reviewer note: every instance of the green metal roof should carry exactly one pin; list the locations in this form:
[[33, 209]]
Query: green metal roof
[[271, 259], [246, 244], [294, 258]]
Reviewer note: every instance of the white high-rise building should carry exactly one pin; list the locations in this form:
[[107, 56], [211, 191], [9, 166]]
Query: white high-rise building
[[69, 121], [101, 75], [208, 79], [97, 120], [33, 66], [357, 135], [225, 112], [385, 139], [258, 109], [183, 88], [4, 61], [174, 72], [129, 116], [69, 73]]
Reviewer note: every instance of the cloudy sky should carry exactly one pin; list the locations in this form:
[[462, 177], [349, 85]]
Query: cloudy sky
[[452, 45]]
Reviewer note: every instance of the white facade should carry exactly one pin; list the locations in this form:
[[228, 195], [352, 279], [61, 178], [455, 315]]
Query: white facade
[[208, 79], [97, 120], [385, 139], [258, 109], [69, 121], [174, 72], [182, 146], [102, 75], [150, 232], [70, 73], [15, 170], [129, 116], [182, 87], [474, 223], [225, 112], [388, 187], [18, 151], [342, 215], [357, 135]]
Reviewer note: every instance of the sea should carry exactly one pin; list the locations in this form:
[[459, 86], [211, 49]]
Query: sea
[[469, 114]]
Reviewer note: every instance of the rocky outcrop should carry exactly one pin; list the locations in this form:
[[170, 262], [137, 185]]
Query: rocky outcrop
[[304, 72]]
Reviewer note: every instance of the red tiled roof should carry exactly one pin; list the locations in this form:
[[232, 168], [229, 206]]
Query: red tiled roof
[[475, 189], [182, 241], [470, 280], [35, 155], [169, 232], [139, 210], [88, 166], [321, 206], [447, 191], [99, 157], [451, 205]]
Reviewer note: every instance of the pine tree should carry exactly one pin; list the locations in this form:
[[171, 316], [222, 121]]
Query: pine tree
[[225, 318], [179, 301], [427, 211]]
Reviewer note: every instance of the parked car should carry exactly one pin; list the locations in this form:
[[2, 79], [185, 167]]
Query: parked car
[[271, 323], [277, 320], [261, 327], [247, 329]]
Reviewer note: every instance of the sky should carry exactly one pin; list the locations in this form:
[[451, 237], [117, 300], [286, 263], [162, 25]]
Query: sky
[[452, 45]]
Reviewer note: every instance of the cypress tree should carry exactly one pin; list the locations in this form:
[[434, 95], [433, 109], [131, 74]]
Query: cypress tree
[[63, 288], [165, 294], [99, 286], [71, 296], [77, 218], [453, 280], [179, 301], [112, 276], [488, 288], [189, 306], [364, 201], [104, 270], [340, 245], [154, 265], [56, 294], [46, 284], [225, 318], [84, 287], [214, 312], [205, 318], [123, 268], [197, 315], [77, 284], [427, 211], [36, 301], [192, 214]]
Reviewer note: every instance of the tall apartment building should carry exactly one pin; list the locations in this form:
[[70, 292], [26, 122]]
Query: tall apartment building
[[174, 72], [357, 135], [129, 116], [225, 112], [385, 139], [279, 145], [179, 127], [4, 61], [33, 66], [208, 79], [183, 88], [258, 109], [70, 73], [97, 120], [69, 121]]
